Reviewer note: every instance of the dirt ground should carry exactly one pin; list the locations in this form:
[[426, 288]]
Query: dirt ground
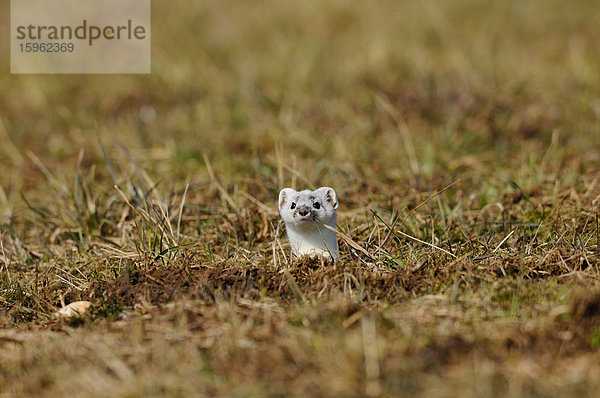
[[462, 139]]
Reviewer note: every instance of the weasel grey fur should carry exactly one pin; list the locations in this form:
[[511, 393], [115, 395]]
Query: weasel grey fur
[[305, 213]]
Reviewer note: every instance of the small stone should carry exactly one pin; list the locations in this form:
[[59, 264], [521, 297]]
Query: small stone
[[76, 308]]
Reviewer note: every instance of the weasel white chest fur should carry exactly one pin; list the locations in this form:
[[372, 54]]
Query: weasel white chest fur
[[305, 213]]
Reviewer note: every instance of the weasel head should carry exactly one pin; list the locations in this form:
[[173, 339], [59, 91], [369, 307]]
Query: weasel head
[[304, 209]]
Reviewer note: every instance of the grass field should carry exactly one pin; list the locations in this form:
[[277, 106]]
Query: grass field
[[462, 138]]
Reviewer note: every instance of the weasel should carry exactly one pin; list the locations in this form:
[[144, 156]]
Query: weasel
[[305, 213]]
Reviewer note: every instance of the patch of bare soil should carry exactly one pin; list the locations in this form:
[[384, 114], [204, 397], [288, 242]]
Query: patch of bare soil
[[308, 278], [585, 307], [160, 285]]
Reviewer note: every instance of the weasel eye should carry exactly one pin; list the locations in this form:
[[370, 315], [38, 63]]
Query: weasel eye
[[293, 206], [317, 205]]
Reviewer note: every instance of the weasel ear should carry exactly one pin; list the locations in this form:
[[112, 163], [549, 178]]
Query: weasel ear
[[285, 196], [330, 196]]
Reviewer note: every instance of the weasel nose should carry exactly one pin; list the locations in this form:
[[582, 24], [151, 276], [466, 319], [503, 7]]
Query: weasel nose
[[303, 212]]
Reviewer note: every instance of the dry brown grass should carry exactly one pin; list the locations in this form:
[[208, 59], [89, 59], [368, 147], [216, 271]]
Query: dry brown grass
[[467, 126]]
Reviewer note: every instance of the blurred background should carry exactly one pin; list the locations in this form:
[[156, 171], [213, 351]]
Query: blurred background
[[410, 92]]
